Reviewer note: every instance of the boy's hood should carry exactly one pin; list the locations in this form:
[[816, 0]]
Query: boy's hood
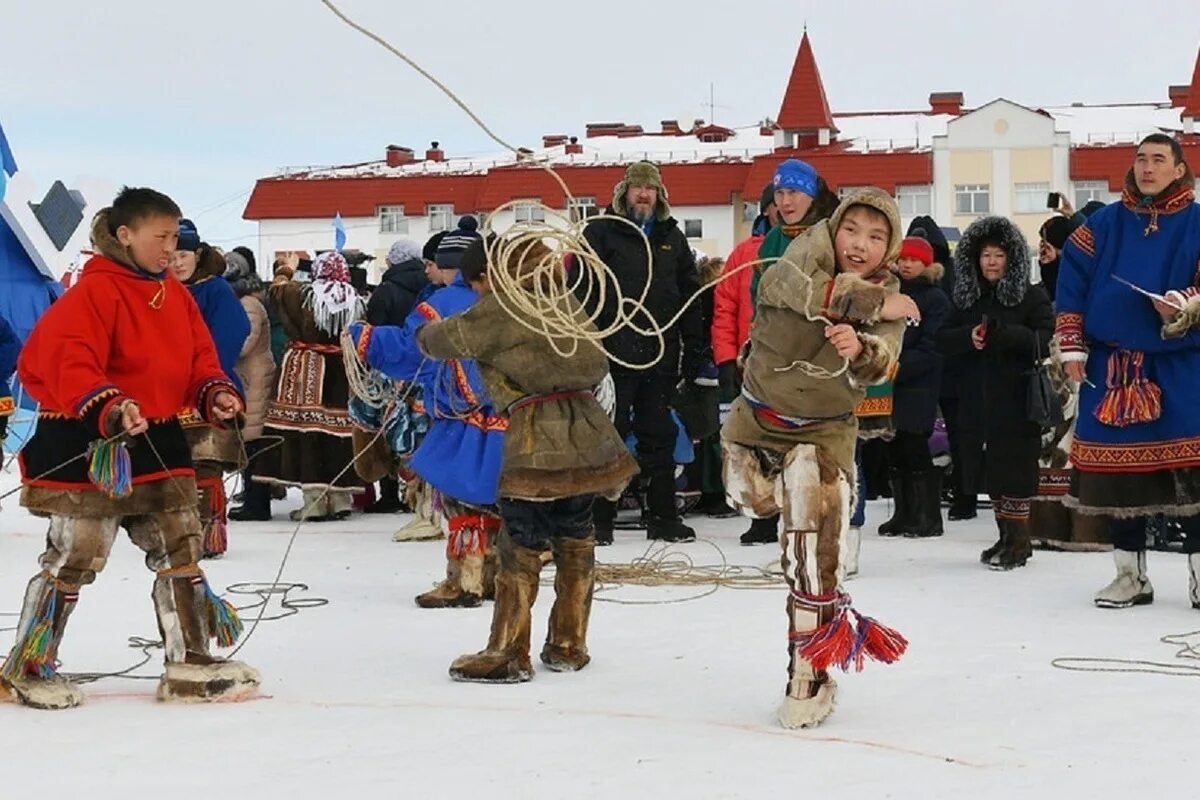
[[107, 245], [880, 201]]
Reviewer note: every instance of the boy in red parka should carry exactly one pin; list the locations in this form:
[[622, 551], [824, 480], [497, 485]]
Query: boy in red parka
[[114, 360]]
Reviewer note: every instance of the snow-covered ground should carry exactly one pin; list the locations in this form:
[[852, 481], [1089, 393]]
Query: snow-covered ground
[[679, 700]]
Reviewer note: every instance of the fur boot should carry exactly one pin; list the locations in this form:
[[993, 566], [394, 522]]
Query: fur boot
[[506, 659], [926, 497], [1017, 548], [904, 504], [993, 551], [422, 526], [853, 546], [189, 614], [1131, 587], [449, 593], [31, 671], [315, 508], [566, 639]]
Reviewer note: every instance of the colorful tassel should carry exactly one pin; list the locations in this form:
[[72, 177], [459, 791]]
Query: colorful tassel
[[848, 639], [109, 468], [1130, 397], [469, 535], [34, 652], [216, 529], [224, 624]]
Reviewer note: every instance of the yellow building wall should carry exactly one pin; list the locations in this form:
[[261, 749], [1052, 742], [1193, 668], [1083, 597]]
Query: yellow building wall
[[969, 166], [1032, 165]]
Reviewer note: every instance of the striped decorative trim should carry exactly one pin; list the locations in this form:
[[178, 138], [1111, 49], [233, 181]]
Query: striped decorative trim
[[1085, 240], [1053, 482], [364, 342], [1068, 327], [874, 407], [207, 396], [1013, 508], [428, 312], [1143, 457], [92, 398]]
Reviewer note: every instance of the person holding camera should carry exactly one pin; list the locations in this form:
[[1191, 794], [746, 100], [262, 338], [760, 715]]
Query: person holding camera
[[1001, 325]]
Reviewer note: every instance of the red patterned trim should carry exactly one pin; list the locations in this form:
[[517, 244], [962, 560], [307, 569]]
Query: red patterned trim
[[874, 406], [1085, 240], [324, 349], [1145, 457], [1068, 326], [428, 312], [364, 342], [7, 406], [1013, 508], [89, 486], [97, 395], [1054, 482], [207, 397], [488, 424]]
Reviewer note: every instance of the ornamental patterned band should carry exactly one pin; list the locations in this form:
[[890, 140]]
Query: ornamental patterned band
[[1068, 327], [1142, 457], [1085, 240]]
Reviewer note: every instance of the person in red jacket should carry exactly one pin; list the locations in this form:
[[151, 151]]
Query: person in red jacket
[[732, 309], [111, 364]]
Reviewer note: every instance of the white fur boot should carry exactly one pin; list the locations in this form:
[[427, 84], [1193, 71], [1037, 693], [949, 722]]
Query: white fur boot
[[220, 681], [422, 526], [53, 693], [810, 712], [1194, 579], [853, 545], [1131, 587]]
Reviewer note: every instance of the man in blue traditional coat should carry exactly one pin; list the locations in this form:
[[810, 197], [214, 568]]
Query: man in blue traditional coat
[[1129, 324]]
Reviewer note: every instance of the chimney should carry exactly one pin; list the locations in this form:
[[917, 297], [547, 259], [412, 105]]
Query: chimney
[[626, 131], [670, 127], [766, 128], [574, 148], [946, 103], [1178, 95], [697, 123], [399, 156], [553, 140], [604, 128], [435, 153]]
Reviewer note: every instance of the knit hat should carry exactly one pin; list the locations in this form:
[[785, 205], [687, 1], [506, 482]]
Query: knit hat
[[796, 175], [403, 250], [189, 237], [767, 199], [917, 247], [1091, 207], [429, 251], [454, 244], [642, 173], [1055, 231]]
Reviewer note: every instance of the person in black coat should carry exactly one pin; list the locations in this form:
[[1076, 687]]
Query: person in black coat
[[916, 484], [1001, 325], [390, 304], [643, 392]]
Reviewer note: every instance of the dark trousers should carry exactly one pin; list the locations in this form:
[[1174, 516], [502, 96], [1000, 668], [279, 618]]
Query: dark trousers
[[967, 457], [534, 524], [642, 407], [909, 452], [1130, 534], [255, 495]]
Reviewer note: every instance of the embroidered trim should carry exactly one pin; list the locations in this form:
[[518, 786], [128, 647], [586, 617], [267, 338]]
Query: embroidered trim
[[1013, 508], [874, 406], [1054, 482], [1068, 327], [1084, 239], [364, 342], [1142, 457], [97, 395], [7, 406]]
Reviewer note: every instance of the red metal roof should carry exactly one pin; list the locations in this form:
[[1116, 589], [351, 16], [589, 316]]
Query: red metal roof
[[841, 167], [1113, 163], [1191, 108], [298, 198], [805, 106]]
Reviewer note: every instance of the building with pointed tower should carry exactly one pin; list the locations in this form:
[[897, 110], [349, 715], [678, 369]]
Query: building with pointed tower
[[948, 160]]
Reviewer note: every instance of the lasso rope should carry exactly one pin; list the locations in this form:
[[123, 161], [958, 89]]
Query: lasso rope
[[536, 297], [664, 565], [1187, 652]]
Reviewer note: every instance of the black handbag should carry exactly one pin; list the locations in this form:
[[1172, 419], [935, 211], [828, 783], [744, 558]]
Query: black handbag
[[1043, 405]]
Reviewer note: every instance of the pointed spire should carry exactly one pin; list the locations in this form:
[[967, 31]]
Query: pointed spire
[[1191, 106], [804, 104]]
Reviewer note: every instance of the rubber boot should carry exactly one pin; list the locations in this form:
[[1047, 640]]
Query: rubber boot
[[926, 497], [574, 580], [388, 501], [903, 501], [762, 531], [604, 515], [1131, 587], [662, 518], [256, 502], [189, 615], [31, 670], [506, 658]]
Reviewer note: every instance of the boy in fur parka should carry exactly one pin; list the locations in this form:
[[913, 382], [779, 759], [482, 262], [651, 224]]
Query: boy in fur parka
[[828, 324], [561, 451]]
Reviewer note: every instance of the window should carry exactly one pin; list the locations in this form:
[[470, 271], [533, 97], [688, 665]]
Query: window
[[580, 208], [693, 228], [914, 201], [392, 220], [972, 198], [1031, 197], [1087, 191], [441, 218], [529, 212]]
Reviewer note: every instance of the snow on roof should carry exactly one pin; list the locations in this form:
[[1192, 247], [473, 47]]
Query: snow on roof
[[862, 132], [1114, 124]]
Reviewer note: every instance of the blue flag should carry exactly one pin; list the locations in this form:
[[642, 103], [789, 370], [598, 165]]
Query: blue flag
[[339, 233], [7, 162]]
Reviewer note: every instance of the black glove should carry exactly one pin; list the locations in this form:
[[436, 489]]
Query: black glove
[[728, 376]]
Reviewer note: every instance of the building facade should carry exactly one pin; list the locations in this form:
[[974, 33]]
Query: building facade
[[948, 161]]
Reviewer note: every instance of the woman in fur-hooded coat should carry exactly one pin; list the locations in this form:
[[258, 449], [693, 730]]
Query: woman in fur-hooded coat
[[1013, 322]]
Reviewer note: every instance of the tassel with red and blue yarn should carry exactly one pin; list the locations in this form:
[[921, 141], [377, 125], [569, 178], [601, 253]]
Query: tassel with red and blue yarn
[[224, 624], [216, 529], [1130, 397], [469, 535], [110, 469], [34, 653], [848, 639]]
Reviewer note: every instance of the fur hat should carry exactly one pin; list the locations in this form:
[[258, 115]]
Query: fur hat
[[917, 247], [429, 251], [797, 175], [1055, 231], [403, 250], [189, 237], [968, 280], [241, 274], [642, 173]]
